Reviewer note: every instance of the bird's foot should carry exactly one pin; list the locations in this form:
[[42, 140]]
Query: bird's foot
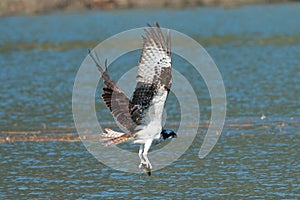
[[142, 165], [145, 165]]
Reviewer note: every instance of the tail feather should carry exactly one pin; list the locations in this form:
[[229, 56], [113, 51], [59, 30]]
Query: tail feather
[[111, 137]]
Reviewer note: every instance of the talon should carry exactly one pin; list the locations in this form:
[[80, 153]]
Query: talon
[[146, 165], [143, 165]]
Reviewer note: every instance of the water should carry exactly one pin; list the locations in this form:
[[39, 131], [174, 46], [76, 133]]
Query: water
[[257, 50], [241, 166]]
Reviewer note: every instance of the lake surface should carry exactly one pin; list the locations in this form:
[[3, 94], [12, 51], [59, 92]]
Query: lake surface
[[257, 50]]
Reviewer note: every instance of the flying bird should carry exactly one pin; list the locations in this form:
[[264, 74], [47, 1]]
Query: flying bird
[[141, 115]]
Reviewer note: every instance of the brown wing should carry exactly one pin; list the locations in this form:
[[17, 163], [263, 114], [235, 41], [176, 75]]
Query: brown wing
[[154, 72], [116, 100], [155, 61]]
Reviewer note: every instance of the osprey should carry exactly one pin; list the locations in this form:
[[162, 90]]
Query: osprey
[[142, 115]]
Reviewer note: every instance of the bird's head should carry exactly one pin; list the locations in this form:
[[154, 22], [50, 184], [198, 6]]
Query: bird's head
[[166, 134]]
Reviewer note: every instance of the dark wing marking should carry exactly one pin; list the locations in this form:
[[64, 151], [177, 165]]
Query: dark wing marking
[[116, 100], [141, 101], [155, 61], [154, 72]]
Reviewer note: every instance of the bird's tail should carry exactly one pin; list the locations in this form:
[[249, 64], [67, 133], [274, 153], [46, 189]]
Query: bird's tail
[[111, 137]]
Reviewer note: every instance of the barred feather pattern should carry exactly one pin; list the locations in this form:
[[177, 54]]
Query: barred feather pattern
[[111, 137], [154, 74], [155, 61], [115, 99]]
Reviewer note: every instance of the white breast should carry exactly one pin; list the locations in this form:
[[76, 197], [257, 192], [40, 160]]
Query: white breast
[[154, 125]]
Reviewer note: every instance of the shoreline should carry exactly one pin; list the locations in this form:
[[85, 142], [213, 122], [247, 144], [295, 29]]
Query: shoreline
[[35, 7]]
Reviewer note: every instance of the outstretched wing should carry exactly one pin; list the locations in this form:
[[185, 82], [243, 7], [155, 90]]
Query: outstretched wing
[[155, 61], [154, 73], [154, 76], [116, 100]]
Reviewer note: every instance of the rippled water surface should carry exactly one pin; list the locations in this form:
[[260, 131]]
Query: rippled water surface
[[257, 50]]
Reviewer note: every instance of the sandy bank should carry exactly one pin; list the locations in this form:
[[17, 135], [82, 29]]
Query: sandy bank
[[17, 7]]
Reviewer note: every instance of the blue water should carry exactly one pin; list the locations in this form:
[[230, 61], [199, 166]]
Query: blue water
[[257, 50]]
